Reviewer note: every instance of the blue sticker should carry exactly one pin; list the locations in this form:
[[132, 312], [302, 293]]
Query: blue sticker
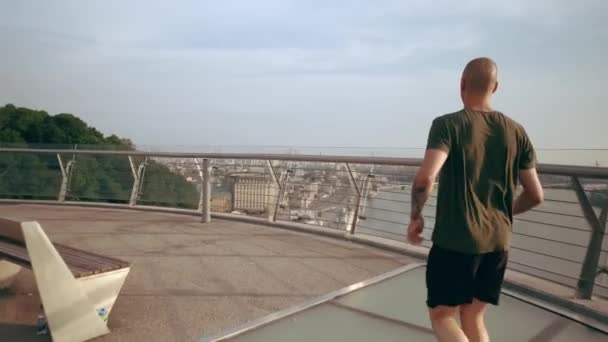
[[103, 313]]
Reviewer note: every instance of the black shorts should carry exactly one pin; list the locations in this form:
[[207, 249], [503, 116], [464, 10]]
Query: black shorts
[[454, 278]]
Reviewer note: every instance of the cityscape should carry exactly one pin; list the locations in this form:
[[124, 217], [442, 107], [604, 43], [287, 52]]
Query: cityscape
[[314, 193], [319, 194]]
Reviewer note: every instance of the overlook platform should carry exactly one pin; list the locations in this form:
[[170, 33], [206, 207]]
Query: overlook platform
[[230, 280], [188, 279]]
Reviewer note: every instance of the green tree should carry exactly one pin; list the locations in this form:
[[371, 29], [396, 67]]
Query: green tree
[[163, 188], [94, 178]]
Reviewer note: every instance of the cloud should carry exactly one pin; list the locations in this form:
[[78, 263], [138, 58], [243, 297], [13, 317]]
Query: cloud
[[352, 56], [358, 72]]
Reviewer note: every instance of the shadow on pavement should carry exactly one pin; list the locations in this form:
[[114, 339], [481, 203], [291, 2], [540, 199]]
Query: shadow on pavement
[[21, 333]]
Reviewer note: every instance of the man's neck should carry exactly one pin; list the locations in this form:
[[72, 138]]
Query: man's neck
[[478, 104]]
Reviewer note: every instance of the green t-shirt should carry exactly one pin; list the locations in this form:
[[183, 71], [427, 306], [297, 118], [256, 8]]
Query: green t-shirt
[[477, 183]]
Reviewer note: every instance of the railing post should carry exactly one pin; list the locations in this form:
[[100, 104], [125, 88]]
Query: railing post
[[65, 178], [206, 193], [142, 175], [364, 194], [137, 177], [199, 168], [275, 193], [353, 183], [282, 190], [586, 281]]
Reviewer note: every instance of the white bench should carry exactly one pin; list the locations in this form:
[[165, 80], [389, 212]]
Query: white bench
[[74, 285]]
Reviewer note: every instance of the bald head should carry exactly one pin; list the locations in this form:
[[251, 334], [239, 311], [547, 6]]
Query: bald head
[[480, 76]]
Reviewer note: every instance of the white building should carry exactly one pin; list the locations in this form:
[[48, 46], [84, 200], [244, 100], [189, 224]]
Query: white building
[[252, 192]]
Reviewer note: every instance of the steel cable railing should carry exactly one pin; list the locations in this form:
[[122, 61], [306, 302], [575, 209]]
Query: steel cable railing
[[360, 195]]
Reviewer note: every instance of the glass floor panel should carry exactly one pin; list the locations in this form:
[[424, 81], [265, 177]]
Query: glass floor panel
[[328, 322], [394, 309], [403, 298]]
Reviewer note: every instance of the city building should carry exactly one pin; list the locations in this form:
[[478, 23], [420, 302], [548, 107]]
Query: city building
[[252, 192]]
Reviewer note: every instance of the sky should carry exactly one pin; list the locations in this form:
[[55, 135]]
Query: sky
[[310, 72]]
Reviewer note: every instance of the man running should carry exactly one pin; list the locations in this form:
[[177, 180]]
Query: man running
[[480, 155]]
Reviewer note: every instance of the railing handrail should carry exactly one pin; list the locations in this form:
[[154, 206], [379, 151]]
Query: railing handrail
[[551, 169], [393, 161]]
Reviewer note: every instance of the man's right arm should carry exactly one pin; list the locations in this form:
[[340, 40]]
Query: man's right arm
[[532, 195]]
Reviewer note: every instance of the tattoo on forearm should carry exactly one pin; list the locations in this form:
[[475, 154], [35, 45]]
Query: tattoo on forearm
[[420, 194]]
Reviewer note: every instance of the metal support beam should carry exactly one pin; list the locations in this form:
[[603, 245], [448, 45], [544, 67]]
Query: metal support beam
[[586, 281], [66, 171], [353, 182], [206, 192], [137, 178], [199, 168], [142, 176], [364, 195], [275, 190], [282, 191]]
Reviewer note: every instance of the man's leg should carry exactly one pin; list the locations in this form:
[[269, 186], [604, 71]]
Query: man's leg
[[444, 320], [472, 317], [488, 284], [450, 283]]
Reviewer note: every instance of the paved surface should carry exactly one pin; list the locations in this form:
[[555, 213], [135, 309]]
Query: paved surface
[[372, 314], [189, 279]]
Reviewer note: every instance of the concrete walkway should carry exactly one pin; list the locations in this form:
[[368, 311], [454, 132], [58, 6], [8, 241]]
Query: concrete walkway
[[188, 279]]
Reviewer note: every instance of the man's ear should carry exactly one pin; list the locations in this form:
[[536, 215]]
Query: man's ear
[[462, 84], [495, 87]]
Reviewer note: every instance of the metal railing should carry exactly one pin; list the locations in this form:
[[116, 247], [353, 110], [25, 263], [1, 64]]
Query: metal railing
[[564, 240]]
